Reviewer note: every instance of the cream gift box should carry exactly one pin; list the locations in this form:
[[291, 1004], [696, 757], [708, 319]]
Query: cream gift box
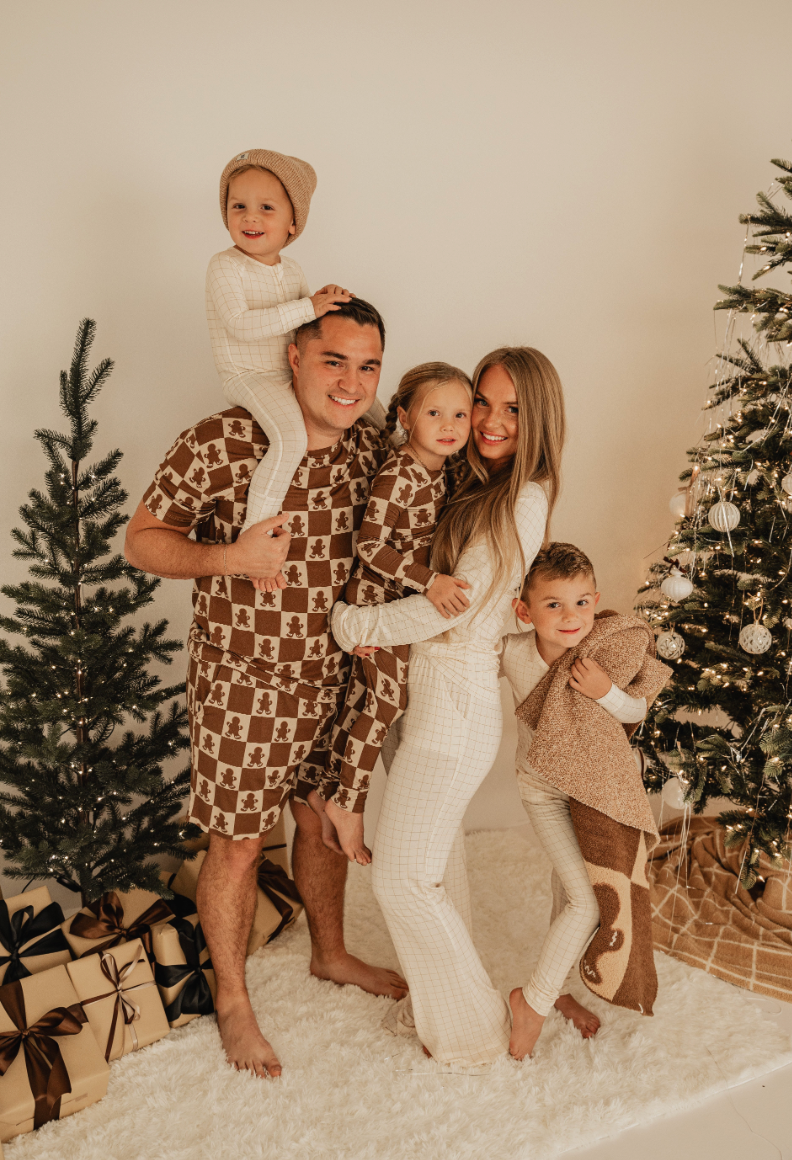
[[183, 970], [116, 918], [31, 939]]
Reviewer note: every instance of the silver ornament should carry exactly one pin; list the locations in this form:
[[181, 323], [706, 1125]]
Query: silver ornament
[[673, 793], [755, 638], [677, 505], [676, 586], [786, 483], [670, 645], [723, 517]]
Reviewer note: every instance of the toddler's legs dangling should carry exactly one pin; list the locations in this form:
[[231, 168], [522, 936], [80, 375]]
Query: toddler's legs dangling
[[272, 404]]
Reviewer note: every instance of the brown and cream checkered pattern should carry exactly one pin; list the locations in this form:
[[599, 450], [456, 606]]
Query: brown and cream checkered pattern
[[280, 640], [393, 548]]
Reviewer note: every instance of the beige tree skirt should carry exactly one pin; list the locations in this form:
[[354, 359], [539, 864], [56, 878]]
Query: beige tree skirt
[[703, 916]]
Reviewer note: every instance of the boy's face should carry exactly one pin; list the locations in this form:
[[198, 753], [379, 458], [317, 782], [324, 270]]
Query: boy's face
[[260, 215], [561, 611]]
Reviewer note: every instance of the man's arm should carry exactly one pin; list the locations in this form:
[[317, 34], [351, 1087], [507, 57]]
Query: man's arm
[[166, 550]]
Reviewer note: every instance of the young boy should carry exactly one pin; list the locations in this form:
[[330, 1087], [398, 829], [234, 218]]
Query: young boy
[[559, 599]]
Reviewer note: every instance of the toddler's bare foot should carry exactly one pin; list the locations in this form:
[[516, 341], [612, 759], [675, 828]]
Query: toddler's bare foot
[[526, 1025], [586, 1021], [245, 1047], [329, 836], [349, 828], [346, 969]]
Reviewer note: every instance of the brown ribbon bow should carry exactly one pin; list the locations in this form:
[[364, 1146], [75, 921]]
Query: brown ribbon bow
[[123, 1006], [106, 921], [47, 1074]]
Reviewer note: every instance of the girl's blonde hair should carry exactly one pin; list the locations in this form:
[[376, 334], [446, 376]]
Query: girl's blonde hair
[[483, 504], [413, 386]]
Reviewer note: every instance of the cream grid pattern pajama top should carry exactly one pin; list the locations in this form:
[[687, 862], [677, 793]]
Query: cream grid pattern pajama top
[[448, 739]]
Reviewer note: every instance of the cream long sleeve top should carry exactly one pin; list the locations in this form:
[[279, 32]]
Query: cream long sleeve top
[[524, 668], [253, 310], [473, 637]]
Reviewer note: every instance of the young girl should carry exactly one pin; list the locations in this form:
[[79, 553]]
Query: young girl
[[255, 300], [432, 404]]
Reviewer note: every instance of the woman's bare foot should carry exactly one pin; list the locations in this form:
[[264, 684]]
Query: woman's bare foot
[[526, 1025], [349, 828], [245, 1047], [426, 1051], [586, 1021], [348, 969], [329, 836]]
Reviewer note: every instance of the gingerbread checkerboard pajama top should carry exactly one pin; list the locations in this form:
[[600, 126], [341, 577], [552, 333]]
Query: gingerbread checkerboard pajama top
[[449, 737], [393, 549], [265, 676]]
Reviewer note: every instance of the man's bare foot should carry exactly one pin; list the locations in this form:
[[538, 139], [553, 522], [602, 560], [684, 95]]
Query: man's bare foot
[[526, 1025], [348, 969], [349, 828], [245, 1047], [329, 836], [586, 1021]]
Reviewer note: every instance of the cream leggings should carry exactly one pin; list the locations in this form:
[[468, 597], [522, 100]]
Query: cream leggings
[[575, 915]]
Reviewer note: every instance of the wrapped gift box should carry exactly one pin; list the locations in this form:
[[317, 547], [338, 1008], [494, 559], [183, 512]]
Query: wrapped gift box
[[31, 938], [183, 970], [55, 1069], [114, 919], [120, 998]]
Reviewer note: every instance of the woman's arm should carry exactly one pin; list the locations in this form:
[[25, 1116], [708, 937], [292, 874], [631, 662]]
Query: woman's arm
[[415, 618]]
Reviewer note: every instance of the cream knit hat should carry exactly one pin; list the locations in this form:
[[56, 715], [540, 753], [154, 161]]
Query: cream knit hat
[[298, 178]]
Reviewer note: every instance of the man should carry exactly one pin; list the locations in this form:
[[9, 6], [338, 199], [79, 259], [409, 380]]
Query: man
[[265, 676]]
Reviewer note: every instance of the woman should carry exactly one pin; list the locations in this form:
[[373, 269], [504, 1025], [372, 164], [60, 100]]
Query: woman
[[488, 535]]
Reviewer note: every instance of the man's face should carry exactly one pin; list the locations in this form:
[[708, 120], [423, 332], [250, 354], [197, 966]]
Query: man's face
[[335, 377]]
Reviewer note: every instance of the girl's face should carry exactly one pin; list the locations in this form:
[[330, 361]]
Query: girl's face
[[495, 420], [438, 423], [260, 215]]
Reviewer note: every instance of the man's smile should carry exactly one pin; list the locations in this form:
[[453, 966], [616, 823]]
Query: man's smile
[[344, 402]]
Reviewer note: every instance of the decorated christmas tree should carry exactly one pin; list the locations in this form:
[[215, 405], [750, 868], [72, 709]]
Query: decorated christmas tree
[[87, 802], [720, 598]]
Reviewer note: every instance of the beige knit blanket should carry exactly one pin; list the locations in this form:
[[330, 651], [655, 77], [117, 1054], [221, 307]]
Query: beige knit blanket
[[579, 748], [705, 918]]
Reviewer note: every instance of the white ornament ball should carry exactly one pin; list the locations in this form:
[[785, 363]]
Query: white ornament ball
[[685, 558], [755, 638], [670, 645], [676, 586], [786, 483], [724, 516], [677, 505], [673, 794]]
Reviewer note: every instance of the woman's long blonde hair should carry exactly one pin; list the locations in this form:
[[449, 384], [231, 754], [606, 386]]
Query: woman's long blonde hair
[[483, 504]]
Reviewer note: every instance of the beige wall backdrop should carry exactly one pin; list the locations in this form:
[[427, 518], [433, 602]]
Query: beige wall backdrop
[[564, 175]]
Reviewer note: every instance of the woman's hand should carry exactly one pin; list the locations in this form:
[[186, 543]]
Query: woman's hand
[[589, 678], [445, 592], [364, 650]]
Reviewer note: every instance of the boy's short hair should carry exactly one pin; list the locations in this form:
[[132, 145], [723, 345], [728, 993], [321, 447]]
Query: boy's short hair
[[558, 562], [360, 311]]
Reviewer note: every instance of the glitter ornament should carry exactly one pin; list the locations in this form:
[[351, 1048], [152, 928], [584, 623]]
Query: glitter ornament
[[723, 517], [786, 483], [670, 645], [676, 586], [677, 505], [673, 793], [755, 638]]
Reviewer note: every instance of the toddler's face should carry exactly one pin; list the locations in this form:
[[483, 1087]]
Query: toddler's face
[[561, 611], [439, 423], [260, 215]]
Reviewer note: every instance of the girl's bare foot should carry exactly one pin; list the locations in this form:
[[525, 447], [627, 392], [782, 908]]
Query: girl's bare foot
[[349, 828], [526, 1025], [245, 1047], [586, 1021], [329, 835]]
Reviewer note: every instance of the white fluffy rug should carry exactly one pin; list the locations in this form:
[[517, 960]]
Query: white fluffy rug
[[350, 1091]]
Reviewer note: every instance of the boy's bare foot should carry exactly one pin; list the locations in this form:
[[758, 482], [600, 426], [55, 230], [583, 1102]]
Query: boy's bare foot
[[348, 969], [329, 836], [526, 1025], [245, 1047], [586, 1021], [349, 828]]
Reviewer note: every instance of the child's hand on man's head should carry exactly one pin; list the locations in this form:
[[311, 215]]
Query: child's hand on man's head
[[589, 678], [328, 298]]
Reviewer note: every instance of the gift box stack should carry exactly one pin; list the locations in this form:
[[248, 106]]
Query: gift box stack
[[77, 994]]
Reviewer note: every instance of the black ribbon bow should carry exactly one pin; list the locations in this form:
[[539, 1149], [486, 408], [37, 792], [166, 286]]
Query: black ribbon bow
[[19, 929], [195, 998]]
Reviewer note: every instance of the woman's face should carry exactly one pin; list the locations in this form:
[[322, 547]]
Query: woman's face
[[495, 419]]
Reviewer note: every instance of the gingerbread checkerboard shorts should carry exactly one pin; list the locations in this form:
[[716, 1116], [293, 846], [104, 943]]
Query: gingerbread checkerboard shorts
[[252, 747]]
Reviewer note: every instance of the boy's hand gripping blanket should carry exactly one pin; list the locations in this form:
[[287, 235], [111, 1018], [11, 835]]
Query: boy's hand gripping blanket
[[579, 748]]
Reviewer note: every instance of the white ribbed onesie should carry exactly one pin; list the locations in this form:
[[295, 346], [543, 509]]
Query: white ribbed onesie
[[575, 915], [449, 737]]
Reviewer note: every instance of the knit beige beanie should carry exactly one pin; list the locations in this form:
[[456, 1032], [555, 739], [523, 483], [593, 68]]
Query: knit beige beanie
[[298, 179]]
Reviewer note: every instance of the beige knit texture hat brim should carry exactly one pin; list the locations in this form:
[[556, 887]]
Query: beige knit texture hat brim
[[298, 179]]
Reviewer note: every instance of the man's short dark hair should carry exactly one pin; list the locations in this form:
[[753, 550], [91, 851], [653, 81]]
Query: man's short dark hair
[[558, 562], [360, 311]]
